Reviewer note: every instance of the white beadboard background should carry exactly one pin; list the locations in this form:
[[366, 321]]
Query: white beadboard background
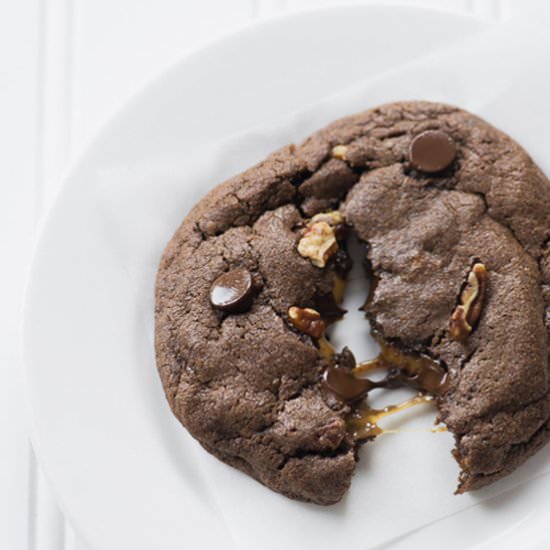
[[66, 66]]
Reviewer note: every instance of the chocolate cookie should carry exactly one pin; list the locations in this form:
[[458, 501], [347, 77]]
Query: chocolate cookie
[[456, 221]]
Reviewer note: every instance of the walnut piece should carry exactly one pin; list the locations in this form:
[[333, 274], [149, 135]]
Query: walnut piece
[[333, 218], [307, 320], [318, 243], [339, 152], [467, 312]]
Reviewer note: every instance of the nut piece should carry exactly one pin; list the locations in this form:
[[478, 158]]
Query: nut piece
[[318, 243], [467, 312], [307, 320], [339, 152], [333, 218]]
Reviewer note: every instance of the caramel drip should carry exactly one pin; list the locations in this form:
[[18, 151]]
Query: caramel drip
[[338, 289], [326, 349], [345, 380], [437, 429], [420, 372], [403, 369], [362, 423]]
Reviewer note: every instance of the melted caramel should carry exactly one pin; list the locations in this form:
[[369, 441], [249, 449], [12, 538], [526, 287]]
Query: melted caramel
[[344, 379], [439, 429], [421, 373], [403, 369], [326, 349], [362, 423], [418, 371], [338, 289]]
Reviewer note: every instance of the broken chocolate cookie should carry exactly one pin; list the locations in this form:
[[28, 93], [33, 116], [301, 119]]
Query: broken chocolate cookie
[[455, 217]]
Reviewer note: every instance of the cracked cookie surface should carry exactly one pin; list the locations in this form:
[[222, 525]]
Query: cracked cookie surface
[[248, 386]]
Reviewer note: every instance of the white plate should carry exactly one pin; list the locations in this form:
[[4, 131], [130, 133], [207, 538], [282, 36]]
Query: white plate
[[125, 472]]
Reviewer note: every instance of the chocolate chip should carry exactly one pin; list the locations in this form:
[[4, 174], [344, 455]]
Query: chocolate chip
[[342, 262], [347, 387], [432, 151], [232, 291], [345, 359]]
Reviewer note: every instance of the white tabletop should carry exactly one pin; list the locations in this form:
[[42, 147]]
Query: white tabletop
[[67, 65]]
